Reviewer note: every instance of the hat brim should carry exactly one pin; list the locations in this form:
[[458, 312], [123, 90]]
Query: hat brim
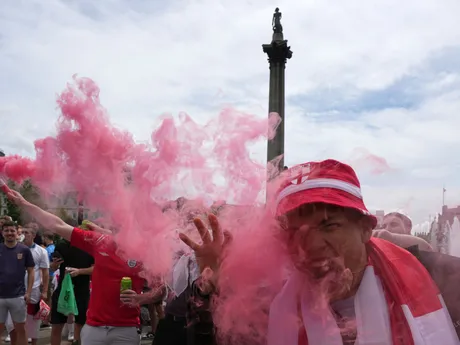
[[326, 196]]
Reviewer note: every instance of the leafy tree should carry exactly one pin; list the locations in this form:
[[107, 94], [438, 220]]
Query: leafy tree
[[62, 213], [12, 210], [31, 194]]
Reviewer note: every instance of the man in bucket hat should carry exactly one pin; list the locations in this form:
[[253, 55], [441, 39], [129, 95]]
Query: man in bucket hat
[[348, 287]]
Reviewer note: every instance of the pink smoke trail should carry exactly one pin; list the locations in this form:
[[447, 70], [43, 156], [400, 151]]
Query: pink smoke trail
[[252, 273], [127, 183], [361, 158], [17, 168]]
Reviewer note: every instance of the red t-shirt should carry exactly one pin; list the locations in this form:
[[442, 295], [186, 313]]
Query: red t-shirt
[[105, 307]]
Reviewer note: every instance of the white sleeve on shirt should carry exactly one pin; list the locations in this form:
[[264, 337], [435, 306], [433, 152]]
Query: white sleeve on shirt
[[43, 261]]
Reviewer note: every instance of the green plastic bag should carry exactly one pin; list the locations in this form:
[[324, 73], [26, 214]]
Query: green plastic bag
[[66, 303]]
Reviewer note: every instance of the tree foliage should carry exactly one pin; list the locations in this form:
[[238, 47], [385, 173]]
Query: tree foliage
[[11, 209], [31, 194], [62, 213]]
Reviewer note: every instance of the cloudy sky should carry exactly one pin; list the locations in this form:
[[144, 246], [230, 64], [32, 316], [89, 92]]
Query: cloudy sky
[[368, 79]]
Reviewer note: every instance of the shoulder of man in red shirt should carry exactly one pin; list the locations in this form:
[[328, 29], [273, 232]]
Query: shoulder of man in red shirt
[[88, 240]]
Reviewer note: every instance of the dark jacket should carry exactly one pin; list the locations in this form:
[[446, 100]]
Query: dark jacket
[[445, 271], [201, 330]]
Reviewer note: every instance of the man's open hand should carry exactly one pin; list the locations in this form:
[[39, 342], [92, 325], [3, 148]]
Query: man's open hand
[[209, 253]]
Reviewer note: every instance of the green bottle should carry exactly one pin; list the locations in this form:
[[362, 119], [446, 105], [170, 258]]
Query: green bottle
[[126, 284]]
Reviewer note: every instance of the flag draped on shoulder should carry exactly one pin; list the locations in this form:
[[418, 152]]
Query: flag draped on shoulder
[[397, 303]]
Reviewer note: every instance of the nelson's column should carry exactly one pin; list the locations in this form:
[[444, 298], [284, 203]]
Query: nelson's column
[[278, 52]]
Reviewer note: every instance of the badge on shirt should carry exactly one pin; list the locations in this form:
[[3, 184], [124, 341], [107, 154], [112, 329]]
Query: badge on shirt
[[19, 256], [132, 263]]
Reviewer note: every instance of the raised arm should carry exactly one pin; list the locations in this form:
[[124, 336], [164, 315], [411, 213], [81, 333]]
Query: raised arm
[[401, 240], [47, 220], [408, 240]]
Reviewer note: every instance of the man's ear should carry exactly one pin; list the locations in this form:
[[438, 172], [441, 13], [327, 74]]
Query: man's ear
[[366, 226]]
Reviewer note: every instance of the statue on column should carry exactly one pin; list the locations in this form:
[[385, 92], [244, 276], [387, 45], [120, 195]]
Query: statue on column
[[276, 22]]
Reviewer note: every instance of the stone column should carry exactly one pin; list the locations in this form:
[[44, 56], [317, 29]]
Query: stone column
[[278, 52]]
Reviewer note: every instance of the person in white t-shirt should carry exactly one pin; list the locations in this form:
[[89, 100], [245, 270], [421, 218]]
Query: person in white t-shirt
[[40, 287]]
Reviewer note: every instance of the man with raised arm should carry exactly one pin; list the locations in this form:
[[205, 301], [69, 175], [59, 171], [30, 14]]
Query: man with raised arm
[[108, 321]]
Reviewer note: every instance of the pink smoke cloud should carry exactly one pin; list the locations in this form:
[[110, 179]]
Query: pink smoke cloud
[[128, 183]]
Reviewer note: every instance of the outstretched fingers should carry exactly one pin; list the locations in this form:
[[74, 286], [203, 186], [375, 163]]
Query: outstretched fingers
[[192, 244], [217, 234], [228, 237], [203, 230]]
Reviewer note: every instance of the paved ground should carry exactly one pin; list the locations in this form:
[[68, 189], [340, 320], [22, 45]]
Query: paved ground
[[45, 338]]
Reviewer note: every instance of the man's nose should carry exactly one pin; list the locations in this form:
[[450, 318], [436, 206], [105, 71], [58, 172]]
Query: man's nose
[[314, 242]]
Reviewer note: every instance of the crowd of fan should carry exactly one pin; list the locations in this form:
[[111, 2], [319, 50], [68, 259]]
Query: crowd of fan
[[340, 231]]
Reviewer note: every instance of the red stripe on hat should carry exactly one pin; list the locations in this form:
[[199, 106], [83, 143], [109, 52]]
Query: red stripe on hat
[[328, 181]]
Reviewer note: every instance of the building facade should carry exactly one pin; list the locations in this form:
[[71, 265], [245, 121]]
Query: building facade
[[379, 214], [445, 231]]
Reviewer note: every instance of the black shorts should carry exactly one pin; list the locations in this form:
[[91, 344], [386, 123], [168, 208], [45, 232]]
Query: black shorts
[[82, 305], [171, 330]]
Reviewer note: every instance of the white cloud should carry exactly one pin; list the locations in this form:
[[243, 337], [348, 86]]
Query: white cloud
[[195, 56]]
